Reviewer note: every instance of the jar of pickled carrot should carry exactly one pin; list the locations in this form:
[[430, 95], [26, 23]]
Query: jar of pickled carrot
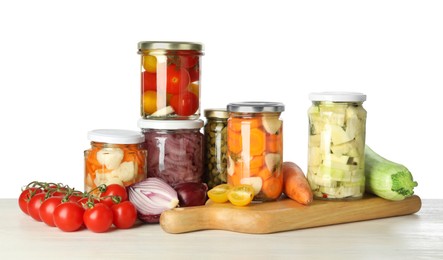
[[115, 156], [170, 79], [255, 147]]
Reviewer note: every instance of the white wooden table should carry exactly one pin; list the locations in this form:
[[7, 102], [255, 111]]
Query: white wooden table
[[417, 236]]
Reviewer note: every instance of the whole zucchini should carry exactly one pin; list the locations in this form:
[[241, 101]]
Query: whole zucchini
[[387, 179]]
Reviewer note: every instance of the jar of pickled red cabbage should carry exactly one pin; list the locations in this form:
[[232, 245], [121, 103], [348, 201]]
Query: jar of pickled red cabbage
[[255, 147], [170, 79], [337, 128], [175, 149], [115, 157]]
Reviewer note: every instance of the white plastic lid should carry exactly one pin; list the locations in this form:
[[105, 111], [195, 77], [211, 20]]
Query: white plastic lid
[[338, 96], [170, 124], [116, 136]]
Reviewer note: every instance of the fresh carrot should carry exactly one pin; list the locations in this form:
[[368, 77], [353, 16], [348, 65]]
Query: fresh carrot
[[295, 184]]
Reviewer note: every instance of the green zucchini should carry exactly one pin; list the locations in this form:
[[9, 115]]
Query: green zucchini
[[387, 179]]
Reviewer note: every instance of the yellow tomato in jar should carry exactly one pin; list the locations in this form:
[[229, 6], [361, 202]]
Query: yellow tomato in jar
[[150, 63], [149, 102]]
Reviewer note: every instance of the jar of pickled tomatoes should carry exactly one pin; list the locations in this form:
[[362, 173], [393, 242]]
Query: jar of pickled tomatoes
[[170, 79], [175, 150], [336, 149], [115, 157], [255, 147]]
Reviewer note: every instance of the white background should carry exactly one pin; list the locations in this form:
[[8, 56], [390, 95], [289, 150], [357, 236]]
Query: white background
[[67, 67]]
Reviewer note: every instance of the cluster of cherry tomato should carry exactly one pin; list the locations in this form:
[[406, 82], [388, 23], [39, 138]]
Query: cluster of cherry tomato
[[58, 205], [181, 79]]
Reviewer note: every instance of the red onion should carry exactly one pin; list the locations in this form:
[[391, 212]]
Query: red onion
[[191, 193], [151, 197]]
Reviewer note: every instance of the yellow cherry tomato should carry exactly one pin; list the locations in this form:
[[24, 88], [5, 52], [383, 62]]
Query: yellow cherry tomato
[[241, 195], [150, 102], [194, 88], [219, 193], [150, 63]]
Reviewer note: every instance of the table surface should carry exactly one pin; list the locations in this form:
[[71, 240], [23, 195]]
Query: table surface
[[416, 236]]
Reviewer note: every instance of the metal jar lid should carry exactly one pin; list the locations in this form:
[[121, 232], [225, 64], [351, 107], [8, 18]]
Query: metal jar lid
[[256, 107], [216, 113], [168, 45]]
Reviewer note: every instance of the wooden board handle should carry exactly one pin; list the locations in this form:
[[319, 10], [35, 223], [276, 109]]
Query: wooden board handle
[[283, 215]]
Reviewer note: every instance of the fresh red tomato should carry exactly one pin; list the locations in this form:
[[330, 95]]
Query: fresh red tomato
[[25, 196], [68, 216], [83, 202], [113, 190], [47, 208], [34, 205], [177, 79], [184, 104], [125, 214], [149, 81], [98, 218]]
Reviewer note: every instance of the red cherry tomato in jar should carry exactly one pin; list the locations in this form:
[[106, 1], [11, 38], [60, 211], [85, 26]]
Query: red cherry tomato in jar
[[149, 81], [68, 216], [113, 190], [46, 210], [98, 218], [125, 214], [184, 104], [188, 61], [25, 196], [177, 79], [34, 205], [194, 74]]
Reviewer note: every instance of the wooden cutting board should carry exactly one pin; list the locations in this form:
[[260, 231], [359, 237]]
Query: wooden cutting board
[[283, 215]]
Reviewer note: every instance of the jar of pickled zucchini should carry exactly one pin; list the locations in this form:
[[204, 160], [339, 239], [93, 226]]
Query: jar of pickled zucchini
[[175, 149], [215, 132], [170, 79], [255, 147], [337, 128], [115, 157]]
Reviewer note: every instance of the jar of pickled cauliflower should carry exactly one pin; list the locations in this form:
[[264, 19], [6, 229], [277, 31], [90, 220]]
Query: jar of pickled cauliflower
[[175, 149], [215, 132], [336, 146], [255, 147], [170, 79], [115, 157]]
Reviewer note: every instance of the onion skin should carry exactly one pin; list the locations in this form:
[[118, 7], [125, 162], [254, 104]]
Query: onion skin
[[149, 218], [191, 194]]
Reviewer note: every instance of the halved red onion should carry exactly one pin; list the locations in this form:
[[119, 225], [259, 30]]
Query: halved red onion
[[151, 197]]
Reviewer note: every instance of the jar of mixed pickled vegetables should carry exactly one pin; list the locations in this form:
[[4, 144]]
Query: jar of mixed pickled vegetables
[[175, 149], [170, 79], [115, 157], [216, 146], [255, 147], [337, 128]]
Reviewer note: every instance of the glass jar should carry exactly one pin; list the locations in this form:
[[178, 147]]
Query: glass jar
[[116, 156], [336, 150], [170, 79], [216, 146], [175, 149], [255, 147]]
